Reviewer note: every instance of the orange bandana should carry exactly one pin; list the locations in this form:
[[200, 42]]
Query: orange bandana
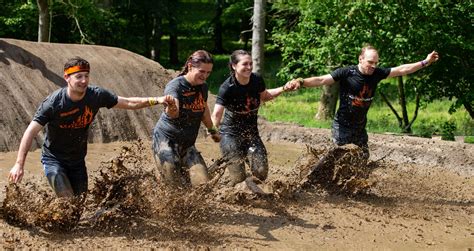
[[76, 68]]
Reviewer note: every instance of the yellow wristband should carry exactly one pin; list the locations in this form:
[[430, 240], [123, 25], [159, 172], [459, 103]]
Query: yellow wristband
[[152, 101], [212, 130], [301, 81]]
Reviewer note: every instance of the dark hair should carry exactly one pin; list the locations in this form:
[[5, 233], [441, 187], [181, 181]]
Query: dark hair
[[234, 59], [198, 57], [365, 48], [76, 61]]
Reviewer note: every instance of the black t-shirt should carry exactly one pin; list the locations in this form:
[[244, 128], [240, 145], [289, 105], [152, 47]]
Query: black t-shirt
[[67, 122], [356, 94], [184, 129], [241, 104]]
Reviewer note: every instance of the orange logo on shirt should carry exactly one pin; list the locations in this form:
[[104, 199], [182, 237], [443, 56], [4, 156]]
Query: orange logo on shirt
[[250, 104], [198, 105], [64, 114], [82, 121], [364, 97]]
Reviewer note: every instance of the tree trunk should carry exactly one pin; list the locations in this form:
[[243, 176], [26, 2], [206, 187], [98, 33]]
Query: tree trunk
[[328, 102], [218, 48], [403, 105], [469, 109], [147, 33], [173, 28], [43, 20], [258, 35], [156, 34]]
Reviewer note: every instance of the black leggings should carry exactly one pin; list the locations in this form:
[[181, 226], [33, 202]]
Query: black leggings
[[250, 150], [174, 162], [342, 135]]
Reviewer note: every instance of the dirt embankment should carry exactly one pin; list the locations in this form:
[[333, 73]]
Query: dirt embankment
[[30, 71]]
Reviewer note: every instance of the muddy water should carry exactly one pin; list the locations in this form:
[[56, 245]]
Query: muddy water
[[411, 206], [281, 154], [124, 186]]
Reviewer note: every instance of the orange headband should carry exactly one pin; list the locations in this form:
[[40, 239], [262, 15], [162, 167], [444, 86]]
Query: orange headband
[[76, 68]]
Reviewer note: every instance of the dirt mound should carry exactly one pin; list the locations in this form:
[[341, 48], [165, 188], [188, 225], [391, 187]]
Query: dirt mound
[[30, 71]]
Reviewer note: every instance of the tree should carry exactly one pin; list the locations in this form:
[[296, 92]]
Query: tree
[[173, 31], [237, 16], [43, 21], [19, 19], [312, 43], [448, 32], [218, 48], [258, 35], [328, 34]]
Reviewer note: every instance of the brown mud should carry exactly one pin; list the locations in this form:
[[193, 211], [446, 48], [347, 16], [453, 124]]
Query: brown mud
[[407, 206]]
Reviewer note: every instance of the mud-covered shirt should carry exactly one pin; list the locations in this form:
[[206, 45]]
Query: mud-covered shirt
[[356, 94], [67, 122], [184, 129], [241, 104]]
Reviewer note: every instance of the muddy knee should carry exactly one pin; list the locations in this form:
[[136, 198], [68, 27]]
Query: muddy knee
[[198, 175], [236, 173], [260, 172], [259, 166], [60, 184], [170, 175]]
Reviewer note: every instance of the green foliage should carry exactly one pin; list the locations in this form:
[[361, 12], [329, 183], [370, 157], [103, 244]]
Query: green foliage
[[425, 130], [447, 130], [469, 139], [316, 36], [19, 19], [448, 32]]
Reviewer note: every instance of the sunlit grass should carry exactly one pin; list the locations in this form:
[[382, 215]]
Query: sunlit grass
[[302, 106]]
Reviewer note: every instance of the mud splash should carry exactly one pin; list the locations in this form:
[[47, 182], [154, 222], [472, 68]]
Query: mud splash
[[129, 186], [29, 205], [127, 189], [340, 169]]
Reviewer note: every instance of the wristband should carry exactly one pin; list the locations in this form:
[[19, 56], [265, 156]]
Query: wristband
[[212, 130], [424, 63], [301, 81], [152, 101]]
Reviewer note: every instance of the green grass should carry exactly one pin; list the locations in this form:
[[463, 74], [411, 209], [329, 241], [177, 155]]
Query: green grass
[[469, 139], [301, 107]]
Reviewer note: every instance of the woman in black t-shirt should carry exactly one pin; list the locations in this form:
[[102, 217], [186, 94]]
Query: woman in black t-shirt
[[240, 96], [175, 133]]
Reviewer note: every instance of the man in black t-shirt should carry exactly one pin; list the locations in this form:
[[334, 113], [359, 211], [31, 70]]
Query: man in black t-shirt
[[67, 114], [357, 88]]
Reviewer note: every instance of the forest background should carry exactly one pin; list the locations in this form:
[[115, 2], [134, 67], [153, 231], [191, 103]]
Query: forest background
[[302, 39]]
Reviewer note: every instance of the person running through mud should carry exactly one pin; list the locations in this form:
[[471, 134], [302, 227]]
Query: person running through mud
[[67, 114], [240, 96], [357, 88], [175, 133]]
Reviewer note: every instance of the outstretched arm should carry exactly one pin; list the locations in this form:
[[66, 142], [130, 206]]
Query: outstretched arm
[[314, 81], [134, 103], [406, 69], [17, 171], [270, 94]]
